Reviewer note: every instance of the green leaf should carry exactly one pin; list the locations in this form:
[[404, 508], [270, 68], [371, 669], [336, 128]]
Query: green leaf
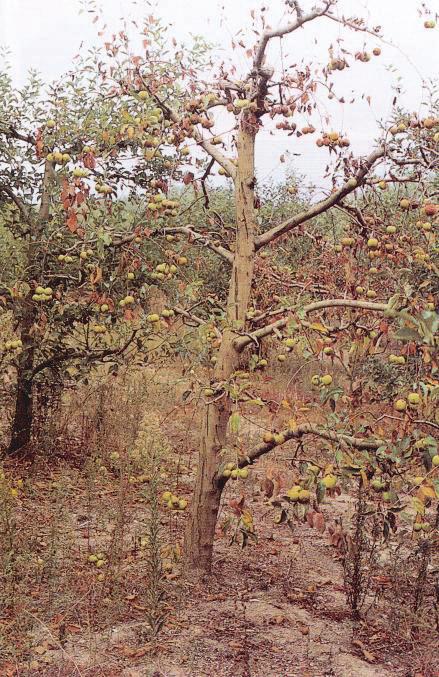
[[320, 492], [234, 422]]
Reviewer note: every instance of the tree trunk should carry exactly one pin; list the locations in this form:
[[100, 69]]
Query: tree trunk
[[23, 415], [200, 532]]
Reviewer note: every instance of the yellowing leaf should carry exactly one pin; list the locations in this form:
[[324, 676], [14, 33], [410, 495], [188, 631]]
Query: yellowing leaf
[[285, 404], [247, 520], [418, 506], [292, 424], [426, 492], [234, 422], [364, 478], [96, 275], [318, 326]]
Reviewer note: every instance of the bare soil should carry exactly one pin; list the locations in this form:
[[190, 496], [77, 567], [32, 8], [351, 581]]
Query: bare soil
[[274, 609]]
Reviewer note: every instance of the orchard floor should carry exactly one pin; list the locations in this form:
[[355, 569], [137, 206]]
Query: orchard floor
[[274, 609]]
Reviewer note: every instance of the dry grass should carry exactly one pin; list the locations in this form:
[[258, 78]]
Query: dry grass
[[107, 447]]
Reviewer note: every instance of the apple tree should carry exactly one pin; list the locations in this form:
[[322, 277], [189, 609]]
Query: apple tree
[[402, 161], [82, 163]]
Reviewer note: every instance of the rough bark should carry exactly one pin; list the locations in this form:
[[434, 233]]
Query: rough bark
[[21, 430], [207, 495]]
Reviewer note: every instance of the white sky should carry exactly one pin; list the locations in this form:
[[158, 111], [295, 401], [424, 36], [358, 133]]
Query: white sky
[[46, 34]]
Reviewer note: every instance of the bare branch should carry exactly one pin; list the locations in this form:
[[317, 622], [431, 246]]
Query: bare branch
[[10, 132], [200, 239], [241, 342], [184, 230], [189, 316], [24, 211], [323, 205], [351, 24], [284, 30], [90, 356]]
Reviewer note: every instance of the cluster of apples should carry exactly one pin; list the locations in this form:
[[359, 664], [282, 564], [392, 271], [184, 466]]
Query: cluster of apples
[[66, 258], [396, 359], [273, 438], [369, 293], [332, 139], [337, 65], [428, 123], [15, 344], [153, 317], [375, 248], [231, 470], [174, 502], [210, 336], [364, 57], [56, 157], [413, 400], [80, 172], [128, 300], [139, 479], [160, 203], [103, 189], [298, 494], [324, 380], [166, 271], [43, 294], [98, 559]]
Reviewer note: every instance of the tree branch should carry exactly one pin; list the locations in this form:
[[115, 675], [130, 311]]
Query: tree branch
[[323, 205], [189, 316], [24, 211], [284, 30], [184, 230], [243, 341], [297, 434], [72, 355], [11, 133], [201, 239], [204, 143], [309, 429]]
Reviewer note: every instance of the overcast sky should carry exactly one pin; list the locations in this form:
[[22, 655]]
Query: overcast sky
[[45, 35]]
